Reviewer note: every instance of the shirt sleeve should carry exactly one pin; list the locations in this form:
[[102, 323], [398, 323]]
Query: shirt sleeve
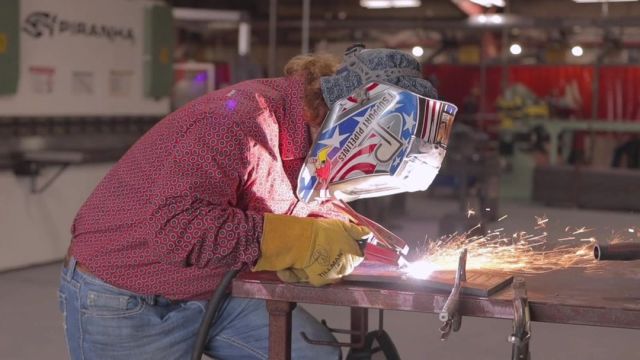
[[196, 219]]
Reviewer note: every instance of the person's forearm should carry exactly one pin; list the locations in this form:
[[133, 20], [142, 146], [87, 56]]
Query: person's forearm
[[205, 235]]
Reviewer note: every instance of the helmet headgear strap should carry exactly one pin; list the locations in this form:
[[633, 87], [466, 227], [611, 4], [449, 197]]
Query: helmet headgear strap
[[354, 62]]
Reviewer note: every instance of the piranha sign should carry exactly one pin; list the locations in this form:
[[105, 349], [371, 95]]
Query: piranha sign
[[40, 23]]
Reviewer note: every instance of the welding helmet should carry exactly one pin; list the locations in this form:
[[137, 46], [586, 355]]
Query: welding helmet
[[385, 132], [380, 139]]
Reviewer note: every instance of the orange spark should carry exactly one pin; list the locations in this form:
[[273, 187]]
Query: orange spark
[[520, 252], [541, 221], [581, 230], [567, 238]]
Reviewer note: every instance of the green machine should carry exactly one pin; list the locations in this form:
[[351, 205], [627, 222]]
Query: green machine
[[9, 46], [159, 41]]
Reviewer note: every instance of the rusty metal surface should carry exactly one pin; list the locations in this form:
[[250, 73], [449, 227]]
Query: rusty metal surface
[[477, 283], [610, 297]]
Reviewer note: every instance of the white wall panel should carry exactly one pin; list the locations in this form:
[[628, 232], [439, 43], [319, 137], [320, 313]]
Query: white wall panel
[[35, 228]]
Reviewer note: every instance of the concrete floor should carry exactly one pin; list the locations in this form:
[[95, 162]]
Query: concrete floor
[[31, 324]]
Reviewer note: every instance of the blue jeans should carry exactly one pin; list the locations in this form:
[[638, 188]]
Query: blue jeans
[[105, 322]]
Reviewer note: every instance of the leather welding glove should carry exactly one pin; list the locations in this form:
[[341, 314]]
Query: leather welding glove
[[292, 275], [322, 250]]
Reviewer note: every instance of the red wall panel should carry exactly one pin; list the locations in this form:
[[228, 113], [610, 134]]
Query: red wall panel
[[619, 97]]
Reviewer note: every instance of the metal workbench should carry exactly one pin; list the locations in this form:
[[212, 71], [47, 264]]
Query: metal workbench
[[555, 127], [608, 295]]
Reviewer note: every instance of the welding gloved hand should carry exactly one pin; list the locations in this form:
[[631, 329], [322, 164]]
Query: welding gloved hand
[[292, 275], [316, 250]]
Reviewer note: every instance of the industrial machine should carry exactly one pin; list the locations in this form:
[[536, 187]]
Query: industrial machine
[[80, 82], [55, 101]]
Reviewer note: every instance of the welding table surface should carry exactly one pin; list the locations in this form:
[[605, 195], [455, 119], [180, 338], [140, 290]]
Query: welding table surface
[[608, 295]]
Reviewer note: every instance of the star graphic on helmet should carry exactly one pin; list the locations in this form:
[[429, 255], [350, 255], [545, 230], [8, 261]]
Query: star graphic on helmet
[[408, 121], [335, 139], [397, 160]]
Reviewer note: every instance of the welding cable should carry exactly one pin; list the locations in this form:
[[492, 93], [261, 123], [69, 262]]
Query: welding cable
[[209, 314]]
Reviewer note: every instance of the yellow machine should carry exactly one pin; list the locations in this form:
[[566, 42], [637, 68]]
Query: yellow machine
[[519, 102]]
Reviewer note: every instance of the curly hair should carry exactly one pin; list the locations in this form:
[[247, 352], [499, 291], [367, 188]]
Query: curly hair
[[311, 68]]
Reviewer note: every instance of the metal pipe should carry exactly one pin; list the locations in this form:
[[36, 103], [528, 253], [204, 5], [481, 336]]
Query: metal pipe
[[273, 8], [619, 251], [306, 9], [411, 23], [244, 38], [483, 79], [504, 53]]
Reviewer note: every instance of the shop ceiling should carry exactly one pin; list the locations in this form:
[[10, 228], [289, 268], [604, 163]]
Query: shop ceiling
[[432, 21]]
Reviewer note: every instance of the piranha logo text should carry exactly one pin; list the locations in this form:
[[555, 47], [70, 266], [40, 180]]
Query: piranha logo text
[[40, 23]]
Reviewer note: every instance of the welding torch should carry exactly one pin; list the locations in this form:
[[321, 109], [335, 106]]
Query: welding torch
[[623, 251], [383, 245]]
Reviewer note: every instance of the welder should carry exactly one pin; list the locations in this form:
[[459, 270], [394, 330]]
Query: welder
[[214, 187]]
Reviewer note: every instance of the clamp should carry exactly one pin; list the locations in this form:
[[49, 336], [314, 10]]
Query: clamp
[[521, 322], [450, 313]]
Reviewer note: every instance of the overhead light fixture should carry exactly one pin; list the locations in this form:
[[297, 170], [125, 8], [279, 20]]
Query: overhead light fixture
[[515, 49], [490, 19], [599, 1], [489, 3], [193, 14], [417, 51], [577, 51], [386, 4], [496, 19]]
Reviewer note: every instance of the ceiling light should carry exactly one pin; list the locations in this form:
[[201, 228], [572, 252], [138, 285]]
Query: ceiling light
[[385, 4], [406, 3], [192, 14], [577, 51], [599, 1], [417, 51], [515, 49], [489, 3], [496, 19]]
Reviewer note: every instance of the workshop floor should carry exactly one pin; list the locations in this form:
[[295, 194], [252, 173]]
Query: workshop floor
[[31, 325]]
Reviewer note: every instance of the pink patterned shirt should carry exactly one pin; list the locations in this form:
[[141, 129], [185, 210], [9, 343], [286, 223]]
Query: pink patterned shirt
[[185, 204]]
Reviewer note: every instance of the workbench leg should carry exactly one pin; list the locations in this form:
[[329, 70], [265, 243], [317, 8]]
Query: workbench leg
[[554, 141], [360, 323], [280, 329]]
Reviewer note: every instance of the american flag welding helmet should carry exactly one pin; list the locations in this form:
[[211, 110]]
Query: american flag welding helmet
[[378, 141]]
